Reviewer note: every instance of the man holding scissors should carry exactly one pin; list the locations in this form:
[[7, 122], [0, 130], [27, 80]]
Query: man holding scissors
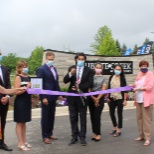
[[81, 79]]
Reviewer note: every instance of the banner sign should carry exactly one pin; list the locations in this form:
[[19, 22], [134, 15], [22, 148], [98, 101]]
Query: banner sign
[[127, 52], [109, 65], [145, 49]]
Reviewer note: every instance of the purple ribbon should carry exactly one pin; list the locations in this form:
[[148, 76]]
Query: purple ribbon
[[49, 92]]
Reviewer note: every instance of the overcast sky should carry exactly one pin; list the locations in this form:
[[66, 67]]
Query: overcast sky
[[72, 24]]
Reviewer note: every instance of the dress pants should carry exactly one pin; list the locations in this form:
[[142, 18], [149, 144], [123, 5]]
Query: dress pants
[[95, 115], [76, 109], [144, 120], [112, 106], [48, 118], [3, 115]]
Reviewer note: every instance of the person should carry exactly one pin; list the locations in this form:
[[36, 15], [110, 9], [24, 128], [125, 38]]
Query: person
[[80, 78], [48, 102], [144, 99], [22, 105], [96, 102], [117, 99], [4, 101]]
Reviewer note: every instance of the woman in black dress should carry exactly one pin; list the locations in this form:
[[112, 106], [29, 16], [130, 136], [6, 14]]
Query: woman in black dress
[[22, 104]]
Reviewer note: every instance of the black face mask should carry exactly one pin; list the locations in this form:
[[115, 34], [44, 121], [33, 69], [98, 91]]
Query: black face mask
[[144, 70]]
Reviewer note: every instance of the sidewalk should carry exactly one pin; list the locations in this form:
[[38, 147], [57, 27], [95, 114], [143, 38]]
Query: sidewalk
[[123, 144], [63, 110]]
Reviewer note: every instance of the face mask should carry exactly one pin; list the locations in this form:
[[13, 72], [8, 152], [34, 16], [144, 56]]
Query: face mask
[[117, 72], [50, 62], [98, 71], [143, 70], [25, 70], [80, 63], [0, 58]]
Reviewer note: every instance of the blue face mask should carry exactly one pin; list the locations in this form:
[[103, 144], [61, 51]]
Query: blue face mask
[[25, 70], [0, 58], [80, 63], [117, 72], [50, 62]]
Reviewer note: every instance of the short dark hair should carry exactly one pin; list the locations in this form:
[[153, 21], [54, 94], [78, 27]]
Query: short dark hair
[[143, 62], [80, 54]]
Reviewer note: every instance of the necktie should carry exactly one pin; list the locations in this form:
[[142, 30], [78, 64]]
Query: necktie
[[53, 72], [78, 74]]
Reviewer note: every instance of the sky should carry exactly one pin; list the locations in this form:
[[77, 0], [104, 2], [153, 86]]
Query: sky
[[72, 24]]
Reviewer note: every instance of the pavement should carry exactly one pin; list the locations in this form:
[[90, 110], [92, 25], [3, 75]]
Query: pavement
[[123, 144]]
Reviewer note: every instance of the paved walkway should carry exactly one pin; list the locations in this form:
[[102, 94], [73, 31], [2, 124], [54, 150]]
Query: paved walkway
[[124, 144]]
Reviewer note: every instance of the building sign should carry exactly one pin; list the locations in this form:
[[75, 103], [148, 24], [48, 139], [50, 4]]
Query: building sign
[[109, 65]]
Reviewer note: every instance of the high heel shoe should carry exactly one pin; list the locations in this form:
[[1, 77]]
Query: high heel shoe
[[23, 148], [113, 132], [28, 145], [117, 134], [146, 143], [139, 139], [97, 140], [93, 139]]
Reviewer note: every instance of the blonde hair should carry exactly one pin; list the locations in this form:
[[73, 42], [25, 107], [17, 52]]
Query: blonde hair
[[20, 65]]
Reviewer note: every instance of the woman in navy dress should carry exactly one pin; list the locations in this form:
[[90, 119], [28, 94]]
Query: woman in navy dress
[[22, 104]]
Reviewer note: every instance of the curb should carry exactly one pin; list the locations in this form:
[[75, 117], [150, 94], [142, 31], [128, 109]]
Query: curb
[[63, 111]]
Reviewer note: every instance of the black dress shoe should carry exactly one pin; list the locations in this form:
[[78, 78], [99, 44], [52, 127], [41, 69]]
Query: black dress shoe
[[73, 141], [5, 147], [83, 142]]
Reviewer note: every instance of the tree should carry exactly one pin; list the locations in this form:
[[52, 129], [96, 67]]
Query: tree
[[118, 46], [10, 61], [35, 60], [108, 46], [135, 49], [123, 49], [146, 41], [99, 38]]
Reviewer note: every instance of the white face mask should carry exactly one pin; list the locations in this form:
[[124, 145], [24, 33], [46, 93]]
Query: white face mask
[[50, 62], [25, 70]]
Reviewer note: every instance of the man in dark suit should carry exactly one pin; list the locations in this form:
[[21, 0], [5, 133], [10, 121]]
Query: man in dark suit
[[4, 103], [50, 82], [81, 79]]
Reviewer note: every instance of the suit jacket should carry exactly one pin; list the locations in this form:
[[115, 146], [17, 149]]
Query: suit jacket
[[6, 78], [49, 82], [86, 79]]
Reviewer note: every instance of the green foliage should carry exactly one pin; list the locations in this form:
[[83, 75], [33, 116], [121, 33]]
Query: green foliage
[[35, 60], [134, 49], [64, 89], [72, 51], [118, 46], [146, 41], [99, 38], [10, 61], [123, 49], [108, 46]]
